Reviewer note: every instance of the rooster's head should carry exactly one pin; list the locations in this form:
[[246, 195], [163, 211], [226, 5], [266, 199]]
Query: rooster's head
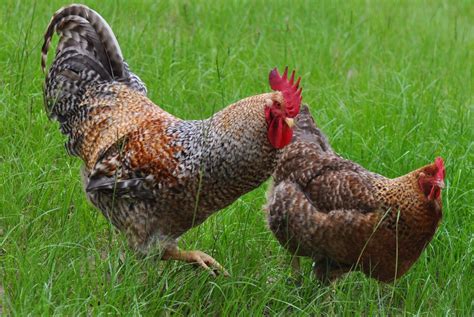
[[279, 115]]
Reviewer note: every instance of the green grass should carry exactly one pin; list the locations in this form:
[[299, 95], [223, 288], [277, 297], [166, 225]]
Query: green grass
[[390, 83]]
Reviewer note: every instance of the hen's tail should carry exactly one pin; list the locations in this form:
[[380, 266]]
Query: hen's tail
[[294, 220], [306, 130], [87, 54]]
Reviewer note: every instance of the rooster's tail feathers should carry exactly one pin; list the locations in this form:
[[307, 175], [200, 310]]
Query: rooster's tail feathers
[[87, 52]]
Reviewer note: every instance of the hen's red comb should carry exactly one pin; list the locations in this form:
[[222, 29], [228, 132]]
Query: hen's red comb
[[291, 93], [441, 173]]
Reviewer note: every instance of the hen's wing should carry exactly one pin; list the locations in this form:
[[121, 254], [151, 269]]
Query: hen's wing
[[307, 230], [341, 185], [328, 181]]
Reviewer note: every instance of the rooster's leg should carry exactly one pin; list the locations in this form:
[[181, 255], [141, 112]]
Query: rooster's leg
[[196, 257]]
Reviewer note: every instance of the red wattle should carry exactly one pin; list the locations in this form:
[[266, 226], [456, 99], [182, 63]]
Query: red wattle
[[279, 133]]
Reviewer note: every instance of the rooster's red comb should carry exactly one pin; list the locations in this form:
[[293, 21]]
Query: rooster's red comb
[[290, 91], [441, 173]]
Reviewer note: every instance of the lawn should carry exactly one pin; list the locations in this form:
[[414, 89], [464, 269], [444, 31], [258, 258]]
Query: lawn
[[389, 82]]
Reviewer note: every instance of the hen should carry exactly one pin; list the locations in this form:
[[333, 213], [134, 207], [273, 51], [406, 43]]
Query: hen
[[155, 176], [345, 217]]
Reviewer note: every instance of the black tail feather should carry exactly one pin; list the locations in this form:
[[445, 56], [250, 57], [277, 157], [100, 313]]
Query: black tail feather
[[81, 27], [87, 54]]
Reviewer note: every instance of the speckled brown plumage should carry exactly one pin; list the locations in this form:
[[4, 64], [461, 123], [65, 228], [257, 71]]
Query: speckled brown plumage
[[154, 176], [343, 216], [177, 173]]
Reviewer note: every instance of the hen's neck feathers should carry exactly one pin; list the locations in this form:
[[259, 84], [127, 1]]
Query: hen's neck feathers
[[403, 194]]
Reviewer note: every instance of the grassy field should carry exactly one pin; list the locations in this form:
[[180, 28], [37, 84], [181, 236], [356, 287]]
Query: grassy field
[[390, 83]]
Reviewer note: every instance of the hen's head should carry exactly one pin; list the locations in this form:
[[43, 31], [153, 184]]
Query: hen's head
[[279, 115], [431, 179]]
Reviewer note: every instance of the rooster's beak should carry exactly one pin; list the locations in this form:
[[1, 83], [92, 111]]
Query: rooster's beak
[[290, 122]]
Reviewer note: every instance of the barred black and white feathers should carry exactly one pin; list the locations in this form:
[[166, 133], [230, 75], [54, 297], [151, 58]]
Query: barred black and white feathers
[[87, 54], [88, 61], [154, 176]]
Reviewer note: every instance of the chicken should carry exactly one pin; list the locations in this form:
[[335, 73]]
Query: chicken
[[155, 176], [345, 217]]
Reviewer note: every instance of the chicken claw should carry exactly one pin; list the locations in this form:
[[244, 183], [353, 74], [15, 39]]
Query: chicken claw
[[197, 257]]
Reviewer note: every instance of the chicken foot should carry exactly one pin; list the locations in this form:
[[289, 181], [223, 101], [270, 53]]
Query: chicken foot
[[196, 257]]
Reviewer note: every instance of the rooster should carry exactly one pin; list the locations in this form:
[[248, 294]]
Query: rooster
[[155, 176], [345, 217]]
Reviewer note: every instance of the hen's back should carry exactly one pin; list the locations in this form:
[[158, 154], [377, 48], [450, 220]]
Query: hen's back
[[320, 204]]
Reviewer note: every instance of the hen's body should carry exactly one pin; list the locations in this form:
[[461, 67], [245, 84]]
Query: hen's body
[[154, 176], [343, 216]]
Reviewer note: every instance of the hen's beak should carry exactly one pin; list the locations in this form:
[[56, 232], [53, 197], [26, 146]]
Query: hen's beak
[[290, 122], [440, 184]]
